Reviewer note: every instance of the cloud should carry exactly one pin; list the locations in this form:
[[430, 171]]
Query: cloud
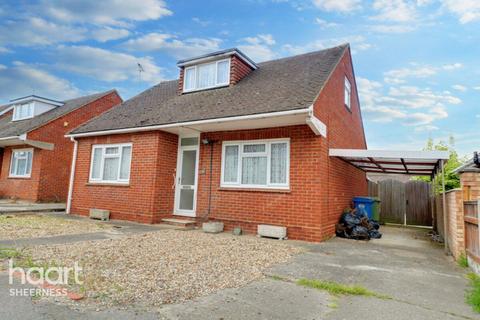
[[343, 6], [201, 22], [170, 44], [358, 43], [22, 79], [325, 24], [37, 31], [427, 128], [452, 66], [466, 10], [398, 76], [383, 28], [394, 10], [259, 48], [4, 50], [459, 87], [410, 105], [107, 34], [106, 65], [105, 12], [476, 88]]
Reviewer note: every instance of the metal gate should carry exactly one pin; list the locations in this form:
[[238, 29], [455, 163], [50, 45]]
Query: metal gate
[[404, 203]]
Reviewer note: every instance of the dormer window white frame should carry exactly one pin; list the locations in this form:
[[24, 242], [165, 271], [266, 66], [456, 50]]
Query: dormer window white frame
[[206, 75], [23, 111]]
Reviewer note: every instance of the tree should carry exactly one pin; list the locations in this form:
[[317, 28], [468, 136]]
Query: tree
[[452, 180]]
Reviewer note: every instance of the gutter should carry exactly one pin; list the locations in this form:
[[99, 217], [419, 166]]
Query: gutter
[[305, 111], [72, 175], [11, 138]]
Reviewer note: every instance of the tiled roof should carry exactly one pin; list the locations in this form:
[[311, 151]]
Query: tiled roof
[[279, 85], [9, 128]]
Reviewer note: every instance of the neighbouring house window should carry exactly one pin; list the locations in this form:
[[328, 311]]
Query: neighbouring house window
[[256, 164], [207, 75], [111, 163], [348, 93], [22, 111], [21, 165]]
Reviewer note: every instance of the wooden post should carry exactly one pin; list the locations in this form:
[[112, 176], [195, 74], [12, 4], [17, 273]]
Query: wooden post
[[478, 227], [444, 209]]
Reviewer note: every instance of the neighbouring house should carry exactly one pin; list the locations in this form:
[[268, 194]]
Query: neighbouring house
[[35, 155], [230, 140]]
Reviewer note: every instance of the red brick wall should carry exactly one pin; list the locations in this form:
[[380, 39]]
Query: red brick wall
[[344, 130], [20, 188], [300, 209], [149, 195], [50, 180], [470, 182], [238, 70]]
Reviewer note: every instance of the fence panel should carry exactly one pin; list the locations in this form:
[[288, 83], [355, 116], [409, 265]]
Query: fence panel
[[472, 236], [419, 206], [392, 197]]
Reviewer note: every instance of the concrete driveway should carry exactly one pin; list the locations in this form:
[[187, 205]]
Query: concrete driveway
[[422, 282]]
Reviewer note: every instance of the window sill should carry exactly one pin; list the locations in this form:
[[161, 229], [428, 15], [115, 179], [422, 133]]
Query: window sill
[[106, 184], [240, 189], [19, 177]]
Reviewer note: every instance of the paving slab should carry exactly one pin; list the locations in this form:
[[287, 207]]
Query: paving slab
[[265, 299], [8, 208], [412, 271]]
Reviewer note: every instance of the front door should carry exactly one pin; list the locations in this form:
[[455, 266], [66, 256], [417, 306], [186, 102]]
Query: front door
[[186, 178]]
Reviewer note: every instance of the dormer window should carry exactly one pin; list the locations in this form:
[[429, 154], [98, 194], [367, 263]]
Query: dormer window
[[32, 106], [207, 75], [23, 111]]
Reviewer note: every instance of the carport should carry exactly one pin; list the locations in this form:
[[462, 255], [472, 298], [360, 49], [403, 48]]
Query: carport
[[414, 163]]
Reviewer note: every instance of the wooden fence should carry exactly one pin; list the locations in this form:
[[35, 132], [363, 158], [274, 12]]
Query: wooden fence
[[472, 235], [403, 203]]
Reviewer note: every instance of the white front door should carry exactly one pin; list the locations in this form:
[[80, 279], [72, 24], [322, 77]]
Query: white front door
[[186, 178]]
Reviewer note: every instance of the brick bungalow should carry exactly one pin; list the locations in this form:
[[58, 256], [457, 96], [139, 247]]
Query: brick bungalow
[[35, 155], [230, 140]]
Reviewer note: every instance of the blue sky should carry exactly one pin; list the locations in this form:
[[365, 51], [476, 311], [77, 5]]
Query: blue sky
[[416, 62]]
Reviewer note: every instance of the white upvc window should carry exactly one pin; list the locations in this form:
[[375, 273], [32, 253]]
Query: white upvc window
[[348, 93], [21, 163], [110, 163], [207, 75], [256, 164], [23, 111]]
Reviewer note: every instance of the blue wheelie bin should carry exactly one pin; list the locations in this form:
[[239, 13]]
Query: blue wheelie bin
[[364, 204]]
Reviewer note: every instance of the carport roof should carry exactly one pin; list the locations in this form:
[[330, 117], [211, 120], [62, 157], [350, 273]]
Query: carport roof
[[418, 163]]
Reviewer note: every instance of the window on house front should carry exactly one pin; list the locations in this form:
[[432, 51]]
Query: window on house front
[[256, 164], [21, 164], [348, 93], [111, 163], [207, 75], [22, 111]]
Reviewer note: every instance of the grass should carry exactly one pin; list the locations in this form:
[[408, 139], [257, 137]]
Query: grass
[[473, 295], [339, 289], [462, 261], [9, 253]]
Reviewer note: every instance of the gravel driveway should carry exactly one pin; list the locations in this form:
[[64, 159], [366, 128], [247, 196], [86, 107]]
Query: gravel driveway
[[168, 266]]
